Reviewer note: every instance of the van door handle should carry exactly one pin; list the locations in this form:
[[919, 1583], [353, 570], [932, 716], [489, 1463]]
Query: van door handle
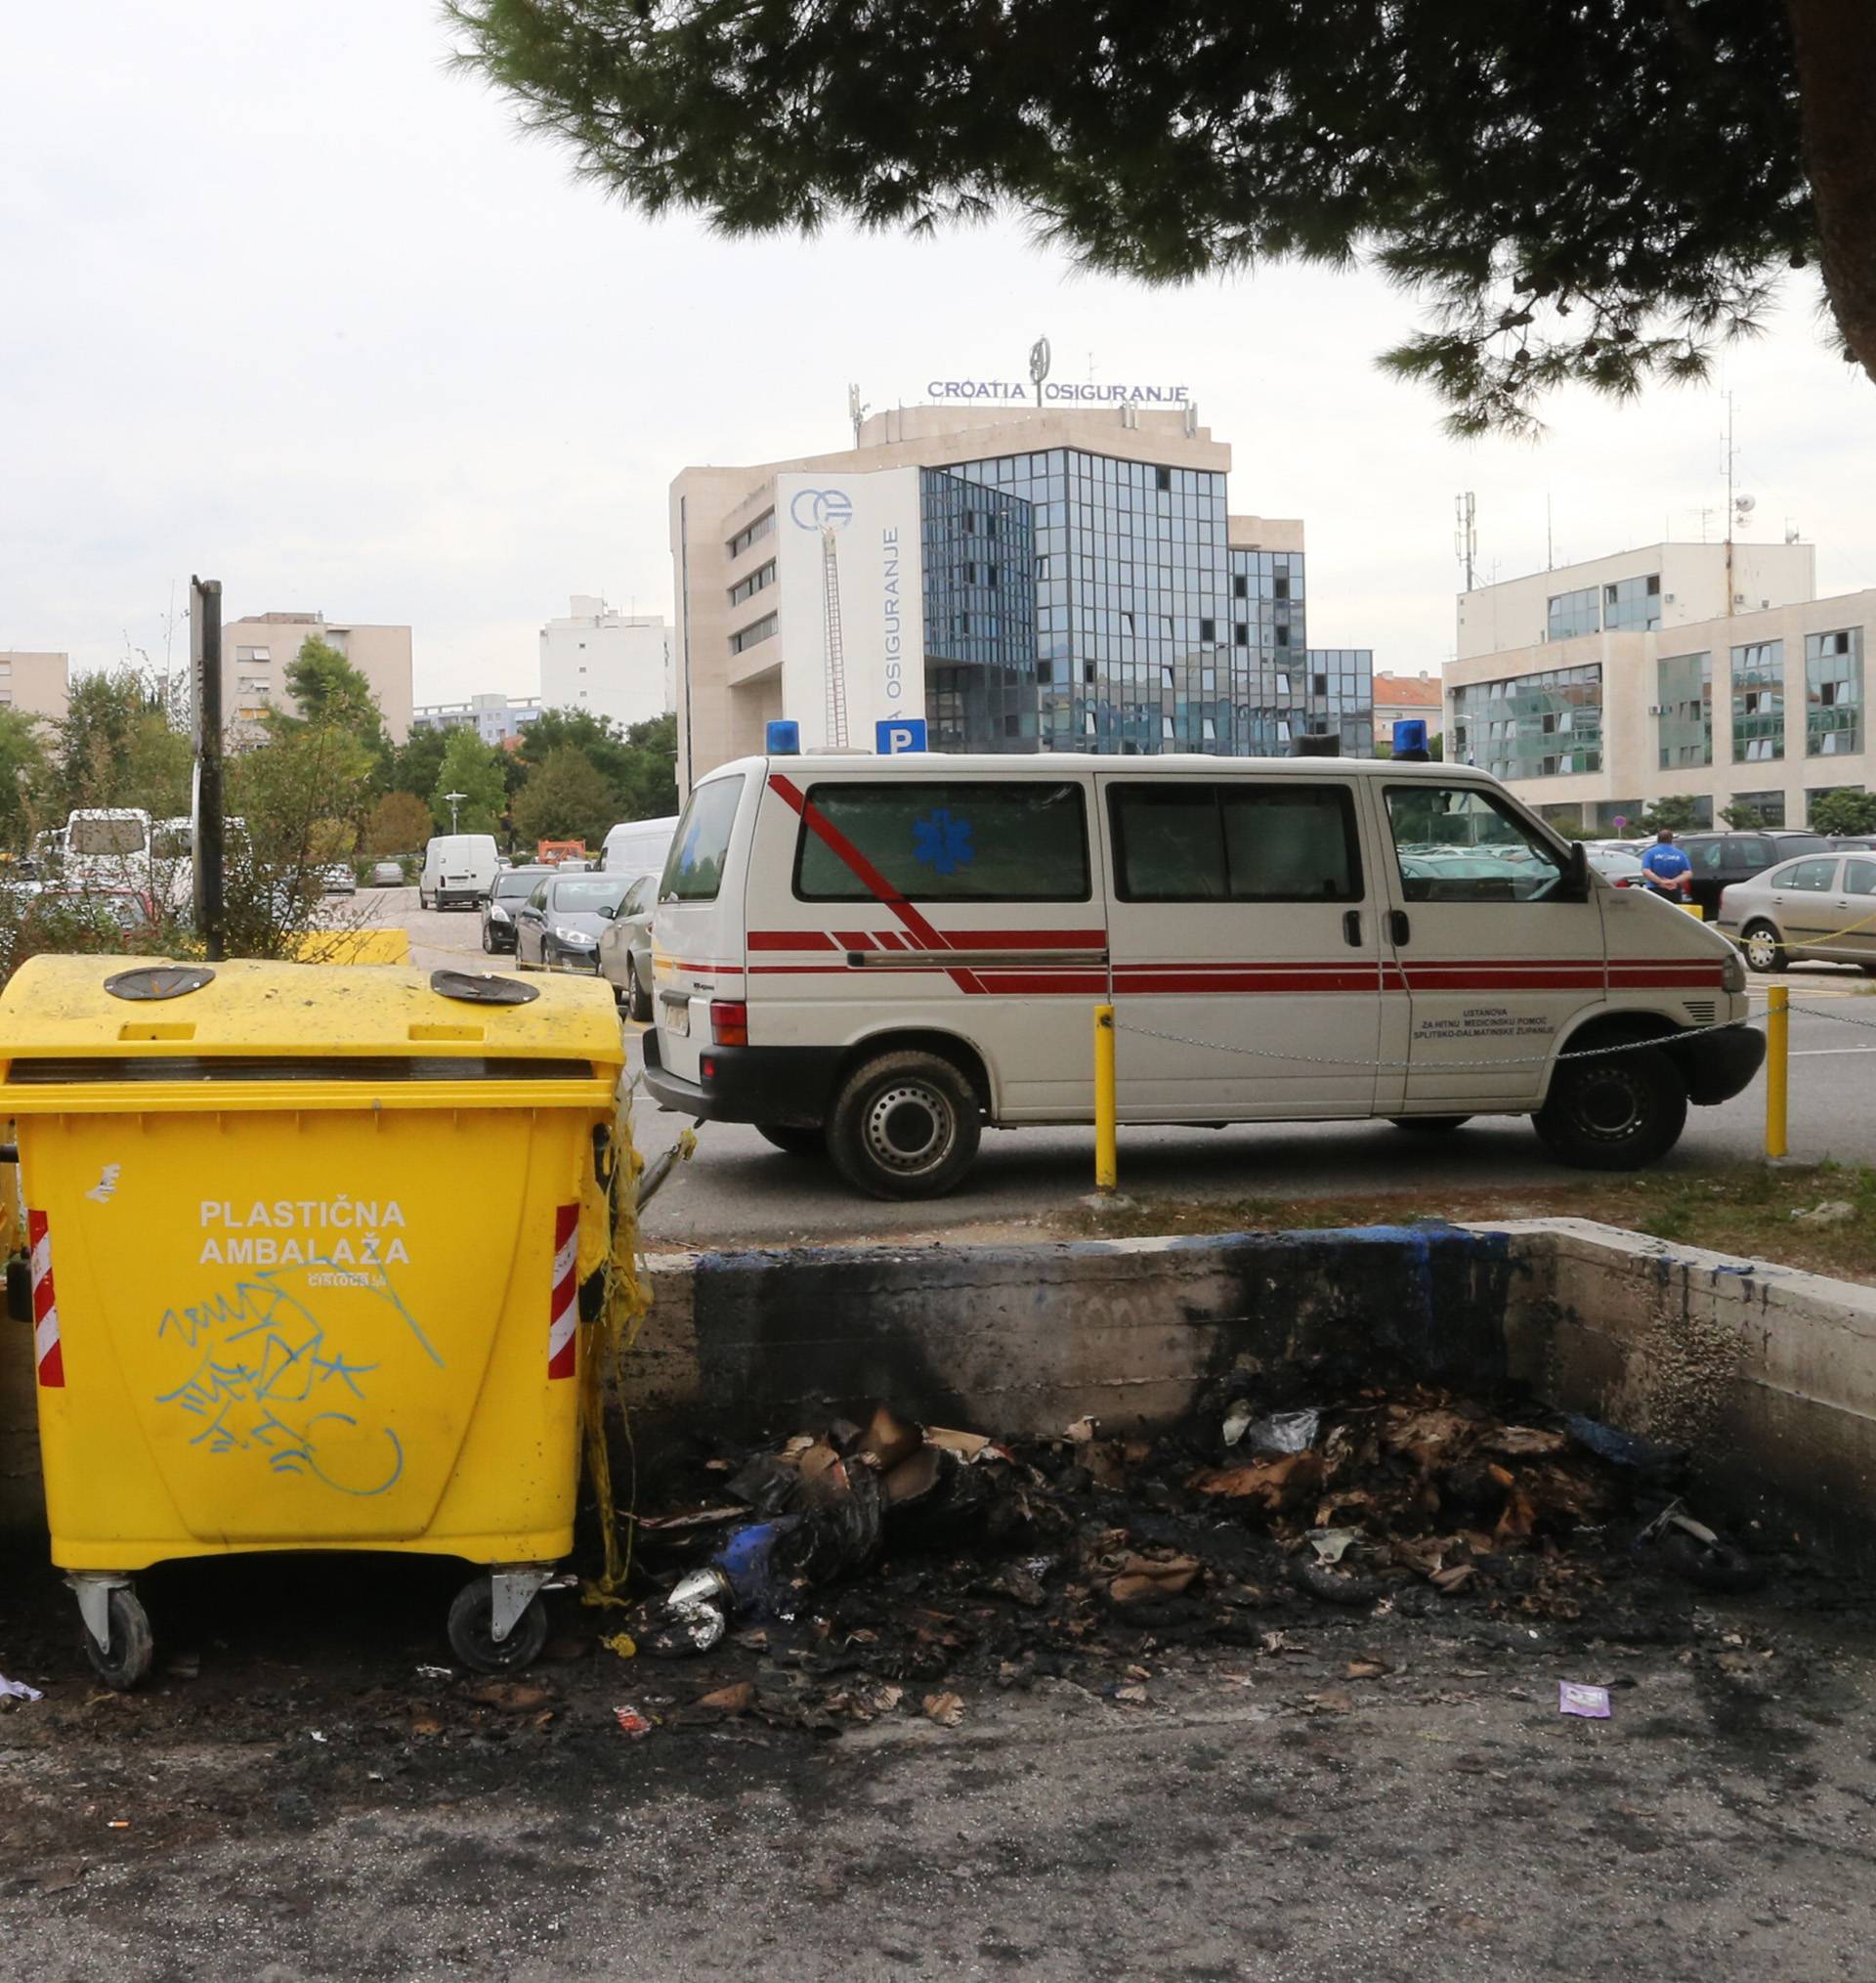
[[1399, 929], [1352, 928]]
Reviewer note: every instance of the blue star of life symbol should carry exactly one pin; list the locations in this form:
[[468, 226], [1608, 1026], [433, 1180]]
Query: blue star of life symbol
[[941, 843]]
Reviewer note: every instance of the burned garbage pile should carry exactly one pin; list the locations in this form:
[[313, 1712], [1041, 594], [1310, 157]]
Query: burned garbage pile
[[863, 1565]]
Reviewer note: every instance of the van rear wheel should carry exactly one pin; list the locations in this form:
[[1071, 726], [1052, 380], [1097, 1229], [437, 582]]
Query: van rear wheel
[[905, 1125], [1615, 1113]]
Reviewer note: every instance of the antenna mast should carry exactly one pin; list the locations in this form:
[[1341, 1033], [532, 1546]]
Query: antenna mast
[[1466, 538]]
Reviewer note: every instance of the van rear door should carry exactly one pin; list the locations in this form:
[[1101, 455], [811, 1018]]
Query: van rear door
[[696, 928]]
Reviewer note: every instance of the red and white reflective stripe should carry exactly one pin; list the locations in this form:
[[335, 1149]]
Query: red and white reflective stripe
[[47, 1349], [563, 1315]]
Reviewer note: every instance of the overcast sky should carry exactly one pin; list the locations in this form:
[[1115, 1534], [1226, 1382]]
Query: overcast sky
[[284, 302]]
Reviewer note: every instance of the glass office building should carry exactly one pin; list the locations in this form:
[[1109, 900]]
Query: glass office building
[[1078, 602]]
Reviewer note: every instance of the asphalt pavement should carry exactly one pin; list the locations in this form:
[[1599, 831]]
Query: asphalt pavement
[[741, 1192]]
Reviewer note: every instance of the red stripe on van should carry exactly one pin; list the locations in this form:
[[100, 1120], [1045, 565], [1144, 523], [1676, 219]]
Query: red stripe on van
[[790, 939]]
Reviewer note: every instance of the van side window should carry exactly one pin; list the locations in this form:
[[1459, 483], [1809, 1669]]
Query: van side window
[[1013, 840], [694, 868], [1457, 843], [1183, 841]]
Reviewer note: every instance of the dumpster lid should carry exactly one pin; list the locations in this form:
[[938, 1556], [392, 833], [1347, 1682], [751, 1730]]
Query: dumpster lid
[[112, 1008]]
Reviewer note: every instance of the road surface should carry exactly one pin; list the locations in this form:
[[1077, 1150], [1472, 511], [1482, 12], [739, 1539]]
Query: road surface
[[739, 1190]]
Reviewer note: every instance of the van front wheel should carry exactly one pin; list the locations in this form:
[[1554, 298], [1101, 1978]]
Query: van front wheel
[[1617, 1112], [905, 1125]]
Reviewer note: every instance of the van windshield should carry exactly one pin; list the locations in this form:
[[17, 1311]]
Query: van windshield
[[106, 836], [694, 873]]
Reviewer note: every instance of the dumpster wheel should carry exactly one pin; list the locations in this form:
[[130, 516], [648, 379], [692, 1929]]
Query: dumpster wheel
[[472, 1635], [127, 1662]]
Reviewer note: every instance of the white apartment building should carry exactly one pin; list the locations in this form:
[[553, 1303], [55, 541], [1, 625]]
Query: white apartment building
[[1705, 672], [37, 685], [258, 648], [608, 664]]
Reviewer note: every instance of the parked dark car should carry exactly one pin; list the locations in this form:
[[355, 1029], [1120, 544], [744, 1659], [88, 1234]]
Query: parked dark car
[[513, 887], [559, 925], [1722, 858]]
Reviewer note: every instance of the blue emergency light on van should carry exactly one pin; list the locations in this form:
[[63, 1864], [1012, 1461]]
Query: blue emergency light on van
[[784, 736], [1410, 734]]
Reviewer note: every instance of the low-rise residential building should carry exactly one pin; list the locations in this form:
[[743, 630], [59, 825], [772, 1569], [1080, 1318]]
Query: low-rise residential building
[[497, 719], [1705, 672], [259, 648], [1401, 697], [35, 683]]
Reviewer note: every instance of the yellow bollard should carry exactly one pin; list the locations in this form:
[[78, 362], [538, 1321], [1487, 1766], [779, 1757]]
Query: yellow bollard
[[1778, 1050], [1107, 1162]]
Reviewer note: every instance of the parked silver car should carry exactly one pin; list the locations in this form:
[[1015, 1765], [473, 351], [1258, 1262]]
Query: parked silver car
[[558, 926], [625, 948], [1817, 906]]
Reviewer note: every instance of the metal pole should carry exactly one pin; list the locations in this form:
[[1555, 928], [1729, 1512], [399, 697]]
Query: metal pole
[[1107, 1161], [205, 703], [1777, 1066]]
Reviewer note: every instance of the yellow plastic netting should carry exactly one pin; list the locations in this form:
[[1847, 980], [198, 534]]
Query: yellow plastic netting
[[609, 1236]]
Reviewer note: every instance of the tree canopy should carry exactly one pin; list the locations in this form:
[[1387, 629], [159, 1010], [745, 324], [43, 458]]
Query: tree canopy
[[565, 798], [470, 767], [1599, 193], [1843, 812]]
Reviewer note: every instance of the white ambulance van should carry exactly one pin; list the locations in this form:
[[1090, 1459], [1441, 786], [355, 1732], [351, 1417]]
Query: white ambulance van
[[882, 956]]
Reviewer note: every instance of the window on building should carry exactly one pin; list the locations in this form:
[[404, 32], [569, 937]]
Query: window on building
[[1501, 725], [751, 533], [1017, 840], [1165, 730], [1234, 842], [1834, 693], [1240, 633], [758, 580], [1240, 587], [1319, 684], [1759, 701], [1569, 613], [1770, 806], [1684, 694], [1283, 636], [1208, 630], [1163, 478], [756, 630], [1632, 604]]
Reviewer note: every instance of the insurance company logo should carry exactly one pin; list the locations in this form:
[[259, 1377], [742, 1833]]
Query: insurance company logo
[[822, 508]]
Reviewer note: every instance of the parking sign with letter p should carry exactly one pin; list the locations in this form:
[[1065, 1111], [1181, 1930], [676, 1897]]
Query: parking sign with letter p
[[895, 735]]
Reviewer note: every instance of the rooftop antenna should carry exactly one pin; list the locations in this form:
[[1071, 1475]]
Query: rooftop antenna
[[1550, 556], [1466, 538], [857, 411], [1733, 514]]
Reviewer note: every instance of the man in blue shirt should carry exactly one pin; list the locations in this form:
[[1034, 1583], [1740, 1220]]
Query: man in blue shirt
[[1666, 867]]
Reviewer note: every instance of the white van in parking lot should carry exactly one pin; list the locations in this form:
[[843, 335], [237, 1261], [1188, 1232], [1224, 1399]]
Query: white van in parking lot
[[458, 866], [640, 846], [886, 954]]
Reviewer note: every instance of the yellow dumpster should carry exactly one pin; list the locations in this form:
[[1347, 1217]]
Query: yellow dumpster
[[305, 1251]]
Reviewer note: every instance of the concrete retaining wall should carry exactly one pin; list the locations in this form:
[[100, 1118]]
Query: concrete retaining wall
[[1769, 1373]]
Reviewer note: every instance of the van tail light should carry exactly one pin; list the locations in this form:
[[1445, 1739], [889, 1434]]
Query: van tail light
[[729, 1022]]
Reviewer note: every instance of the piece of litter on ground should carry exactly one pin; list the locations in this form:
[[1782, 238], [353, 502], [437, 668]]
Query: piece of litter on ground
[[946, 1710], [317, 1735], [624, 1644], [436, 1672], [1332, 1544], [1591, 1703], [117, 1823], [632, 1723], [18, 1690]]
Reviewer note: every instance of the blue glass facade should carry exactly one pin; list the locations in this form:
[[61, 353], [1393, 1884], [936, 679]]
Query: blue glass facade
[[1144, 630]]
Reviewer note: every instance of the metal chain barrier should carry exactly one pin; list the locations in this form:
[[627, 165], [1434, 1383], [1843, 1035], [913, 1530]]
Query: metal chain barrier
[[1467, 1065]]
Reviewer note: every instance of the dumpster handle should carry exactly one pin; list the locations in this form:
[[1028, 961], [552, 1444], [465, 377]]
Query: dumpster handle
[[9, 1152]]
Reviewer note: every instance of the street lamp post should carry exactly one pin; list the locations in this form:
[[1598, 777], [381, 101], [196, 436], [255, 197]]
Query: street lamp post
[[454, 800]]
